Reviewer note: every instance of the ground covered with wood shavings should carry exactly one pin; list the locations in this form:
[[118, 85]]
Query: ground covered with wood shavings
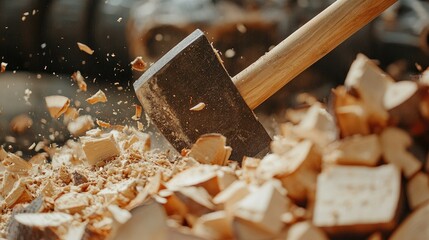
[[356, 169]]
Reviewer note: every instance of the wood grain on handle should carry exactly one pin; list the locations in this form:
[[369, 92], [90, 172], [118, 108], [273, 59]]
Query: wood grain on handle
[[305, 46]]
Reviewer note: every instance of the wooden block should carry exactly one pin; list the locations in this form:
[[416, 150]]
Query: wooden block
[[211, 149], [394, 142], [355, 150], [57, 105], [297, 169], [357, 199], [418, 190], [318, 126], [303, 231], [415, 226], [263, 208], [370, 82], [214, 225], [99, 149]]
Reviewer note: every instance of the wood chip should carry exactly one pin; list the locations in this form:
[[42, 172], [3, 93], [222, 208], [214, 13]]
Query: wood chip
[[72, 203], [97, 97], [80, 125], [415, 226], [263, 208], [18, 194], [138, 113], [394, 142], [305, 230], [418, 190], [215, 225], [57, 105], [200, 106], [85, 48], [355, 150], [102, 124], [42, 225], [138, 64], [78, 78], [70, 115], [357, 199], [211, 149], [99, 149], [15, 164], [21, 123], [3, 67]]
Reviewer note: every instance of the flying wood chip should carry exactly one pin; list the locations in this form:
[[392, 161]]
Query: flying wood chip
[[3, 67], [78, 78], [85, 48], [97, 97], [138, 64], [57, 105]]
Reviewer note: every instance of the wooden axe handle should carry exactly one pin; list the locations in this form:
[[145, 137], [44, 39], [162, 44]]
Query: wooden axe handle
[[305, 46]]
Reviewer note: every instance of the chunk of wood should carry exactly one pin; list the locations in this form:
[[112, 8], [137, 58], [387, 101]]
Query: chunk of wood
[[99, 149], [125, 188], [79, 178], [72, 202], [350, 113], [138, 112], [97, 97], [418, 190], [415, 226], [318, 126], [15, 164], [214, 225], [18, 194], [21, 123], [394, 142], [211, 149], [8, 183], [42, 225], [263, 208], [80, 125], [357, 199], [57, 105], [80, 81], [3, 66], [305, 230], [355, 150], [147, 222], [297, 169], [370, 82], [402, 101], [139, 64], [200, 106], [85, 48], [196, 199]]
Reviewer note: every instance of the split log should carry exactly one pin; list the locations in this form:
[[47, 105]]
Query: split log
[[394, 142], [355, 150], [357, 199], [418, 190], [415, 226]]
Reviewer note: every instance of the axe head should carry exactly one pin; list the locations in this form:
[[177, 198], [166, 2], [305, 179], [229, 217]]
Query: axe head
[[187, 75]]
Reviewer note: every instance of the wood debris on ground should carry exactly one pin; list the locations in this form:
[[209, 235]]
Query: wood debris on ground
[[354, 171]]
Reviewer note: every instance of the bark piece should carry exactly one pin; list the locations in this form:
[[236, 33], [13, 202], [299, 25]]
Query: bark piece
[[297, 169], [394, 142], [355, 150], [263, 208], [305, 230], [370, 82], [357, 199], [415, 226], [57, 105], [79, 178], [97, 97], [99, 149], [418, 190], [211, 149]]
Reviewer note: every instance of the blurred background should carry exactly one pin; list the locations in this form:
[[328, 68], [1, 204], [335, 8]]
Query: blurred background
[[38, 41]]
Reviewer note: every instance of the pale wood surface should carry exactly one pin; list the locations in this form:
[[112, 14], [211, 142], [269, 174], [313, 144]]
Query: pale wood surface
[[304, 47]]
